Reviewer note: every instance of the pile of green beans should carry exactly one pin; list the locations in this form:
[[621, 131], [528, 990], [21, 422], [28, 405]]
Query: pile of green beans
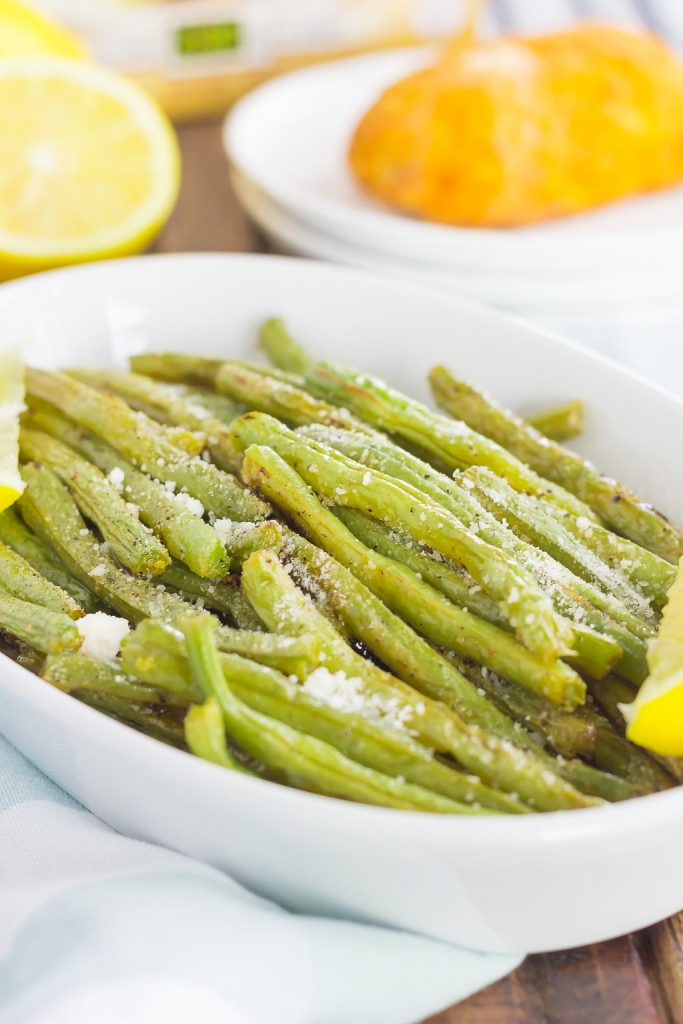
[[334, 587]]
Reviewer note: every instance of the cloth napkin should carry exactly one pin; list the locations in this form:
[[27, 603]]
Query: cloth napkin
[[96, 927]]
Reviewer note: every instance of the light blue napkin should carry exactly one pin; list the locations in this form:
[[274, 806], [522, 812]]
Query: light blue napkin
[[96, 927]]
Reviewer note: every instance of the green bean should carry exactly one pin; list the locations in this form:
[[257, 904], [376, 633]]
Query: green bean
[[559, 422], [593, 653], [364, 740], [198, 371], [220, 407], [342, 481], [403, 652], [567, 734], [281, 348], [570, 736], [45, 630], [205, 735], [160, 402], [585, 733], [221, 595], [187, 537], [619, 507], [400, 656], [447, 577], [392, 640], [292, 756], [294, 656], [140, 440], [653, 575], [52, 513], [615, 754], [175, 368], [538, 522], [408, 597], [583, 604], [190, 442], [162, 723], [279, 398], [15, 534], [610, 693], [497, 762], [450, 444], [21, 580], [272, 372], [242, 539], [77, 672], [132, 543]]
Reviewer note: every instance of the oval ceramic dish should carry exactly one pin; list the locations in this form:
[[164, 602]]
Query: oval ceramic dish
[[527, 883]]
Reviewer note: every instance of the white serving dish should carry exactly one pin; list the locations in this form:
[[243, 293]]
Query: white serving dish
[[301, 164], [537, 882]]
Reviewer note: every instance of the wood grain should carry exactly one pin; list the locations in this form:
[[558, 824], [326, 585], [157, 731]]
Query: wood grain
[[208, 216], [662, 951], [637, 979], [603, 984]]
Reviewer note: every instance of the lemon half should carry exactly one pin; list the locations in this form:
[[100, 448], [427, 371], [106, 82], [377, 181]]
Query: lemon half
[[655, 718], [11, 405], [89, 165], [23, 29]]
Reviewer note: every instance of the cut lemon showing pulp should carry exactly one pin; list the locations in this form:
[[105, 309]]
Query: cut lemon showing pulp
[[89, 165], [655, 718], [23, 30], [11, 405]]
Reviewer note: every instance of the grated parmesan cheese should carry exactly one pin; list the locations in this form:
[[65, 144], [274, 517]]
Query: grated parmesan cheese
[[102, 634], [228, 530], [349, 694], [116, 476], [189, 503]]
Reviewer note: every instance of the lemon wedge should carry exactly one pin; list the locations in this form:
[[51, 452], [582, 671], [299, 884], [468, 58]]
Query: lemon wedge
[[89, 165], [24, 30], [655, 718], [11, 405]]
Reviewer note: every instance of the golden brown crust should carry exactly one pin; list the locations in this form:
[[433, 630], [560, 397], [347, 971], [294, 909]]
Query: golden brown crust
[[520, 130]]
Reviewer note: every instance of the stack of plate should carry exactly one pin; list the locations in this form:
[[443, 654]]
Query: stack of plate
[[287, 144]]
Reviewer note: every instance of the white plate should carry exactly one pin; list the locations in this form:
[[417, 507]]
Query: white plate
[[534, 882], [290, 139], [607, 291], [616, 321]]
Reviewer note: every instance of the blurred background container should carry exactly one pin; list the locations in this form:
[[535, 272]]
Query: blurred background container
[[197, 56]]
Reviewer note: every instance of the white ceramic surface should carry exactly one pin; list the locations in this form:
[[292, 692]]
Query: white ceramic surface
[[535, 882], [610, 292], [300, 161], [625, 317]]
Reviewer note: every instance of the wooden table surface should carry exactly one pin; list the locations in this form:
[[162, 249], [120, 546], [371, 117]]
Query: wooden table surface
[[633, 980]]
